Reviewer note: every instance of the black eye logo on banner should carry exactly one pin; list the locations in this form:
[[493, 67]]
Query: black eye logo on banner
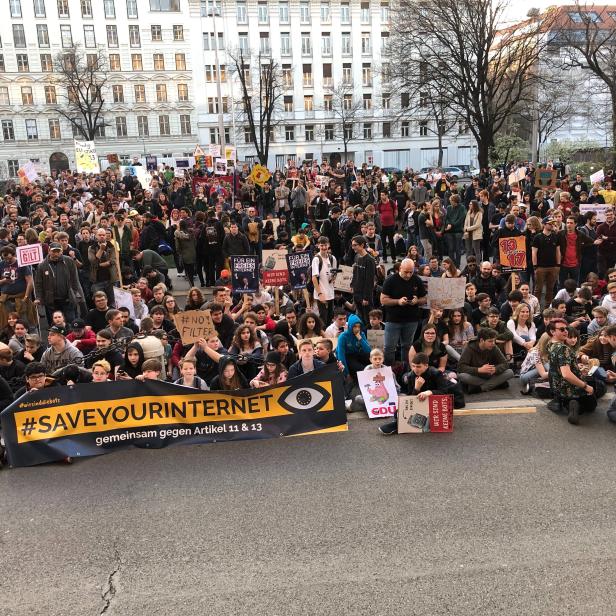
[[311, 398]]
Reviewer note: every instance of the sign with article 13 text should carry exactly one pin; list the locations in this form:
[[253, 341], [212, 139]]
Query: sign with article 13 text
[[512, 253], [433, 414]]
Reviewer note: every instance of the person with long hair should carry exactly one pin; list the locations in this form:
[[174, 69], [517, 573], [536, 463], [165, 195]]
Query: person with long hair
[[170, 305], [473, 229], [450, 269], [229, 376], [523, 328], [429, 344], [248, 350], [194, 299], [536, 364], [427, 238], [273, 371], [310, 326], [413, 253], [460, 332], [131, 368]]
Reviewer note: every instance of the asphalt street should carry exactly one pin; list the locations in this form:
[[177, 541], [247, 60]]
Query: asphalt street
[[506, 515]]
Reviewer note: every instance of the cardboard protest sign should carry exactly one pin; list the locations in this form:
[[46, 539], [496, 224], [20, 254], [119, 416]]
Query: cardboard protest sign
[[597, 177], [244, 274], [447, 293], [220, 166], [29, 254], [298, 264], [517, 176], [27, 173], [86, 159], [546, 178], [214, 150], [321, 181], [376, 338], [274, 268], [124, 299], [512, 253], [378, 389], [194, 324], [342, 282], [598, 208], [434, 414]]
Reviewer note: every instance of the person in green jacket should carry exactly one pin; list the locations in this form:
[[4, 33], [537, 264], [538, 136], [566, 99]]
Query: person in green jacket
[[454, 228]]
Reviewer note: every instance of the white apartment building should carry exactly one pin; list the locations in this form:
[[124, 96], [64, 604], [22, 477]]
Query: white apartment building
[[149, 103], [319, 44]]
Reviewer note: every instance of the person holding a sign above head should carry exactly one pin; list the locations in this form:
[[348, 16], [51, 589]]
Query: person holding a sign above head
[[402, 296], [15, 285]]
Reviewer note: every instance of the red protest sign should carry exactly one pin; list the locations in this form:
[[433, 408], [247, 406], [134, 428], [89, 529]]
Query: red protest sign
[[30, 254], [274, 268], [512, 253]]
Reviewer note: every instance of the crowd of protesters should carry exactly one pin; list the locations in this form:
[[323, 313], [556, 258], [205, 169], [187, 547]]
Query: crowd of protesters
[[552, 323]]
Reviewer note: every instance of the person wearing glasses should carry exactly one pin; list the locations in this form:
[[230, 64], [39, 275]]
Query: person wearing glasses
[[572, 393]]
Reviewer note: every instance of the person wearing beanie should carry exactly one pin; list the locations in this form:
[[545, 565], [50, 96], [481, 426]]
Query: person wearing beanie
[[273, 371]]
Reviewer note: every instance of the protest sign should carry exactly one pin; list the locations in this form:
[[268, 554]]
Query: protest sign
[[260, 175], [598, 208], [113, 159], [597, 177], [376, 338], [298, 264], [274, 269], [29, 254], [151, 163], [342, 282], [230, 153], [512, 253], [91, 420], [378, 389], [545, 178], [214, 150], [138, 172], [244, 274], [433, 414], [27, 173], [220, 166], [124, 299], [446, 293], [321, 181], [194, 324], [517, 176], [86, 160]]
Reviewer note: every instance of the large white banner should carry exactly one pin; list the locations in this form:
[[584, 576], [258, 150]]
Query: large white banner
[[86, 159]]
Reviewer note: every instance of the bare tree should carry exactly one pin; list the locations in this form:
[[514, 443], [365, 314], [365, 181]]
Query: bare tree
[[587, 35], [260, 81], [83, 77], [346, 109], [480, 70]]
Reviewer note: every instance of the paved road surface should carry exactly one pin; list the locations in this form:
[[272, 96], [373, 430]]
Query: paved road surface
[[507, 515]]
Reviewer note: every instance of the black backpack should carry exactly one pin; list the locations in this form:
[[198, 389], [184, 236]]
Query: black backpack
[[211, 235]]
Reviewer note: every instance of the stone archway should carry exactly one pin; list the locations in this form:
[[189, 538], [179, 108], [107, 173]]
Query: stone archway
[[58, 162]]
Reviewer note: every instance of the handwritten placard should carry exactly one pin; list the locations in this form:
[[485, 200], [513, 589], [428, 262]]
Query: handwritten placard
[[194, 324]]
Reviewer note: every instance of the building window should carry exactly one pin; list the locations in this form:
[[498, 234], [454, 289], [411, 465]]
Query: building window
[[304, 12], [306, 44], [112, 36], [13, 166], [212, 104], [99, 130], [42, 35], [384, 12], [178, 33], [164, 127], [114, 62], [182, 92], [131, 9], [307, 73], [287, 76], [185, 124], [121, 130], [289, 133], [347, 46], [109, 6], [347, 74], [26, 96], [31, 130], [385, 72], [63, 8], [23, 65], [54, 129], [118, 94], [347, 102], [366, 75], [423, 128], [161, 93], [405, 100], [345, 13], [264, 43], [386, 130], [328, 81], [66, 35], [19, 36], [137, 61], [309, 132], [39, 8], [51, 97], [180, 63], [139, 93], [4, 95], [283, 12], [285, 44], [328, 132], [384, 42], [348, 133], [326, 16], [262, 13], [308, 103], [86, 8], [133, 36], [88, 37], [243, 41], [367, 130], [15, 6], [386, 101], [405, 129], [209, 41], [365, 12], [168, 6], [2, 66], [365, 43], [159, 62], [157, 33], [328, 102], [46, 63], [242, 15], [326, 44], [214, 135], [8, 132], [247, 134], [288, 104], [142, 126]]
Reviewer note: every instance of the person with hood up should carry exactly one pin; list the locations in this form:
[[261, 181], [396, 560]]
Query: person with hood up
[[229, 376], [133, 362], [353, 349]]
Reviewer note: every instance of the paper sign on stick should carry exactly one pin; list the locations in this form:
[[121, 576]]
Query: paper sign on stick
[[597, 177], [446, 293], [274, 269]]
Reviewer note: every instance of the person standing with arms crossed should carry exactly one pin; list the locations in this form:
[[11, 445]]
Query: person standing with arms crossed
[[324, 265]]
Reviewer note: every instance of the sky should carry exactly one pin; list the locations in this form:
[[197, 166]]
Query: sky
[[518, 9]]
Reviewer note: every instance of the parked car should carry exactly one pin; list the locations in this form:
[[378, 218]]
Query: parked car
[[469, 170], [390, 170]]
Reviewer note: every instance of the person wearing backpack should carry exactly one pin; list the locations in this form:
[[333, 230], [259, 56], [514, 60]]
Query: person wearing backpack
[[323, 272], [209, 245]]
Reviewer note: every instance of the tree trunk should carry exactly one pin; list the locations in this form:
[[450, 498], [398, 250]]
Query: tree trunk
[[484, 143], [613, 153], [440, 149], [346, 150]]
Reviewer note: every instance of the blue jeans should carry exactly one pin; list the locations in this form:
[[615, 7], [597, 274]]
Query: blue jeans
[[398, 332], [532, 374]]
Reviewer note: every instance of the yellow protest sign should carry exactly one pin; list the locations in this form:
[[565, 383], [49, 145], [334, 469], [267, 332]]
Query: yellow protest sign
[[260, 175]]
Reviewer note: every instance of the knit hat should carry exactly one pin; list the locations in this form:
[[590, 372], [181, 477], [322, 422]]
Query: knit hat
[[273, 357]]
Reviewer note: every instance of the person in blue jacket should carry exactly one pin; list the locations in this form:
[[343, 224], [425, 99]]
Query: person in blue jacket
[[353, 349]]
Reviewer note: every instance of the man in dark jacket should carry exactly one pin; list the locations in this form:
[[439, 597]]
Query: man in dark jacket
[[224, 324], [235, 242], [331, 230], [153, 233], [364, 276], [306, 361], [486, 283], [482, 366]]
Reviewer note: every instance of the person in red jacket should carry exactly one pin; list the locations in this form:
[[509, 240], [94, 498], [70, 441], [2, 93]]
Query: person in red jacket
[[82, 337], [388, 212]]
